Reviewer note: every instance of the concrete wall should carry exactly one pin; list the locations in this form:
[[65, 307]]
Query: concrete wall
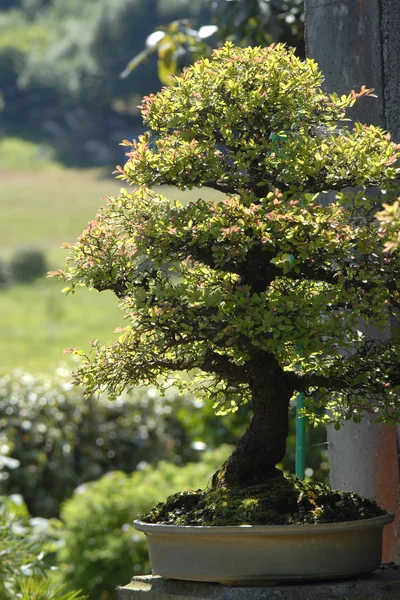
[[357, 42]]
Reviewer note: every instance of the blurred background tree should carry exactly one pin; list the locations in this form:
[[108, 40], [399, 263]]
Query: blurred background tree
[[59, 66], [60, 62]]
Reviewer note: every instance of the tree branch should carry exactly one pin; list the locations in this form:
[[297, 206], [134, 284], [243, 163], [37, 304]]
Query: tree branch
[[225, 189], [376, 360], [221, 365]]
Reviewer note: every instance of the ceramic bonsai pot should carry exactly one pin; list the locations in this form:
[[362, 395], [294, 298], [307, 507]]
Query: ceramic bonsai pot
[[260, 554]]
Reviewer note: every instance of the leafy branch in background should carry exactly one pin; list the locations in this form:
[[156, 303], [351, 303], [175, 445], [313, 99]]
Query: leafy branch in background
[[245, 22], [260, 22], [176, 45]]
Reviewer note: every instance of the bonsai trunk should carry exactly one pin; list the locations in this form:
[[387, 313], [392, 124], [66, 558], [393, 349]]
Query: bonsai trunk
[[264, 443]]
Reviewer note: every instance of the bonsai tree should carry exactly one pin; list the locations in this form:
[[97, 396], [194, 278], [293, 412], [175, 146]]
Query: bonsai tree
[[261, 292]]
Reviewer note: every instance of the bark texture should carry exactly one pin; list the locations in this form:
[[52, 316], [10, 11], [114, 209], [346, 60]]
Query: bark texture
[[263, 445]]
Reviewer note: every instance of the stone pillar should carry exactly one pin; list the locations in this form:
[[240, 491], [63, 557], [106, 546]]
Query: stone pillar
[[357, 42]]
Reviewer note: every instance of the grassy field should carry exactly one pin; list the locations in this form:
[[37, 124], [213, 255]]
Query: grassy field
[[43, 205], [38, 322]]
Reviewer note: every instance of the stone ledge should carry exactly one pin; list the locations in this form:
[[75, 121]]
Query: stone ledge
[[382, 584]]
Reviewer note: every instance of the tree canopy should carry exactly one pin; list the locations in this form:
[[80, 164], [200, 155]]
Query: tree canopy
[[271, 282]]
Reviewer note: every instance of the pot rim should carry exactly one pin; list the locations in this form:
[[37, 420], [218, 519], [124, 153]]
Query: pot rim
[[289, 529]]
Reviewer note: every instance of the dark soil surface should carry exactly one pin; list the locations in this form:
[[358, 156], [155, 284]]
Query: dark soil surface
[[280, 501]]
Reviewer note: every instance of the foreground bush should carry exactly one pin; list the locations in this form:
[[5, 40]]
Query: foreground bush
[[51, 440], [102, 549], [22, 567]]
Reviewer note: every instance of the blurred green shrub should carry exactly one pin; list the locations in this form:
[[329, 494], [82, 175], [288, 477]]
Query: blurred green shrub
[[22, 566], [5, 276], [27, 265], [101, 547], [52, 439]]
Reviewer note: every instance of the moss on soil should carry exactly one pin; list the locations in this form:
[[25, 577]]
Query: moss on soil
[[281, 501]]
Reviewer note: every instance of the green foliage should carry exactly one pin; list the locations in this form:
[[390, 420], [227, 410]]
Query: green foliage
[[101, 548], [60, 60], [17, 39], [20, 554], [273, 277], [40, 589], [52, 441], [78, 62], [27, 265], [22, 566], [390, 220]]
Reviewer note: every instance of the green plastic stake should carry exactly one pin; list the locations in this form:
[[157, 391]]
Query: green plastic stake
[[300, 437]]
